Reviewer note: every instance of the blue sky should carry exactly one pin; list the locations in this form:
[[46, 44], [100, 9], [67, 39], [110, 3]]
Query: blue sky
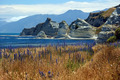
[[13, 10], [4, 2]]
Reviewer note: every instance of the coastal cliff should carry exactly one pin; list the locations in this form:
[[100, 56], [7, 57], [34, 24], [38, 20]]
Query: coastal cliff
[[110, 26]]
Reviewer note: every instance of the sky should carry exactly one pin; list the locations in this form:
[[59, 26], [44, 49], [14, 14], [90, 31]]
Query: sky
[[13, 10]]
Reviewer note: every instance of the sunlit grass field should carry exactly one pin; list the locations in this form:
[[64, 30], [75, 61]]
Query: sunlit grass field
[[66, 62]]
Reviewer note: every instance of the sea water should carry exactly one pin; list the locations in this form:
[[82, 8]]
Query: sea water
[[15, 41]]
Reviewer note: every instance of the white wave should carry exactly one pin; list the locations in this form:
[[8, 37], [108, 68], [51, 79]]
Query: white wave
[[24, 38], [10, 35]]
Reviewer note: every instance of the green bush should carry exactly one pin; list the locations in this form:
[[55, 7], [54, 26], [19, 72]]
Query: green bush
[[72, 65], [112, 39], [117, 33]]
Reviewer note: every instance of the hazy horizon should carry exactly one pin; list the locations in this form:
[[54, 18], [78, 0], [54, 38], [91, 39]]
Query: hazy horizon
[[13, 10]]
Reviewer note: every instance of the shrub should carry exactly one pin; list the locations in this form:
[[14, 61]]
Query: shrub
[[112, 39], [117, 33]]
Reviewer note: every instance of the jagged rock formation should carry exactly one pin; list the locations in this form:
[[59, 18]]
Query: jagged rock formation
[[49, 27], [63, 30], [105, 33], [81, 29], [41, 34], [78, 29], [114, 19], [110, 26], [27, 31], [99, 18]]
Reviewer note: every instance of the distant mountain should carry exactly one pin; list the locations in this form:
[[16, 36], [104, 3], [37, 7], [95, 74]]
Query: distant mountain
[[2, 22], [31, 21]]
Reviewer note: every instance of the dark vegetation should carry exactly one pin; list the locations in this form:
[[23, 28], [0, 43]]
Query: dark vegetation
[[115, 37]]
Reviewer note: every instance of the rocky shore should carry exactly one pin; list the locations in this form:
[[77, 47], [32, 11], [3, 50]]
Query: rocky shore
[[79, 29]]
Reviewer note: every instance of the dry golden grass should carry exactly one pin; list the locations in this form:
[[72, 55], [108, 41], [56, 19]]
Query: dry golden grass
[[105, 14], [108, 12], [104, 64]]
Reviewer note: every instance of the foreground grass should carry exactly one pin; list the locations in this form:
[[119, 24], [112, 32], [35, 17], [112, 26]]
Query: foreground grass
[[61, 63]]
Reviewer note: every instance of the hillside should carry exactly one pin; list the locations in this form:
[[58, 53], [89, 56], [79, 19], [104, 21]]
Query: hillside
[[99, 18]]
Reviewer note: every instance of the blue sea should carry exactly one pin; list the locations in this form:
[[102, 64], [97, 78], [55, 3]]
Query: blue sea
[[15, 41]]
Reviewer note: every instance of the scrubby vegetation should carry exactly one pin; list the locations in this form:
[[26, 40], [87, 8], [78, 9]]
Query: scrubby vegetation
[[115, 37], [73, 62], [112, 39], [107, 13], [117, 33]]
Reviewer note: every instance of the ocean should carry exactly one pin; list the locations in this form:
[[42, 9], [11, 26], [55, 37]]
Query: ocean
[[15, 41]]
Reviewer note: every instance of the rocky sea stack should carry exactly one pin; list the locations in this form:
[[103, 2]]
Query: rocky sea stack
[[51, 29], [81, 29], [42, 35], [63, 30]]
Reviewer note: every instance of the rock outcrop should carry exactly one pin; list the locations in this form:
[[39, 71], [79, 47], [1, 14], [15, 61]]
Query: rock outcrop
[[81, 29], [78, 29], [49, 27], [114, 19], [27, 31], [42, 35], [105, 33], [63, 30], [110, 26], [99, 18]]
